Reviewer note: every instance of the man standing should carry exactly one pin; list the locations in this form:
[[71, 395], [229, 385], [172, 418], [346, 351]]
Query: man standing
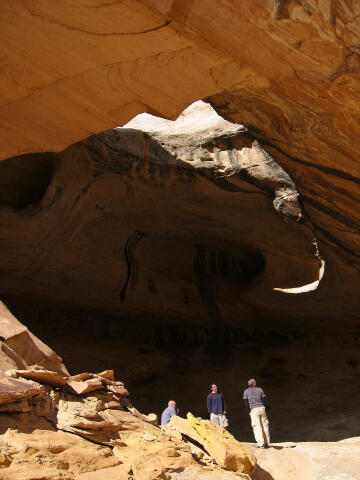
[[255, 403], [169, 412], [216, 407]]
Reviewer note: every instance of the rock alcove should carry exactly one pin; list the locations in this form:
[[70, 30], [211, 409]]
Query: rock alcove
[[165, 249]]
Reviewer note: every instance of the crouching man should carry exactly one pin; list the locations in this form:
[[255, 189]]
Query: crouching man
[[255, 403], [169, 412]]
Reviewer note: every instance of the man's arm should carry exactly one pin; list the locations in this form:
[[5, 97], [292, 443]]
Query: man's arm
[[246, 401], [224, 404], [264, 399], [209, 403]]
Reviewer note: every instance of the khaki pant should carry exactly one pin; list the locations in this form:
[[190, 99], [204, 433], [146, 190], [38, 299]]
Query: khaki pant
[[219, 419], [260, 425]]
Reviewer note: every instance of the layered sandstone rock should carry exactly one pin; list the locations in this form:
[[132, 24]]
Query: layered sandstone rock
[[19, 348], [45, 432], [36, 411], [183, 222], [179, 234], [220, 444], [288, 71]]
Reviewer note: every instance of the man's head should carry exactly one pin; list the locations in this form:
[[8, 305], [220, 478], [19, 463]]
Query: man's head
[[252, 382], [172, 403], [214, 388]]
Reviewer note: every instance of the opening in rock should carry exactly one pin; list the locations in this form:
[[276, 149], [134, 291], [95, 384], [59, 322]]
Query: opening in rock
[[160, 260]]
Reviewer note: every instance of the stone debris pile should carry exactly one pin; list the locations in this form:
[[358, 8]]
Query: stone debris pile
[[219, 443], [96, 407], [58, 426]]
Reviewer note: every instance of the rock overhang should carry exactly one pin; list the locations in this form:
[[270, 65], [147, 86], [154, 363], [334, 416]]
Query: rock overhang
[[186, 221]]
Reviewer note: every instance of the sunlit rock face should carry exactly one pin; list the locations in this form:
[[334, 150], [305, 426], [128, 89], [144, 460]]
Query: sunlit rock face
[[289, 71], [183, 222]]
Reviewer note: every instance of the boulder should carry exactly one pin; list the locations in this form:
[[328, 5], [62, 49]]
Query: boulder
[[107, 374], [219, 443], [19, 348], [82, 387], [20, 396], [41, 375], [12, 390], [53, 454]]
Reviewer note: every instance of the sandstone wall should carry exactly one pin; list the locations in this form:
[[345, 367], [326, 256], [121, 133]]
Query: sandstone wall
[[288, 71]]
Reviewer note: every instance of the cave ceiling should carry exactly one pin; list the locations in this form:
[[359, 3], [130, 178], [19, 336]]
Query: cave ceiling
[[288, 71]]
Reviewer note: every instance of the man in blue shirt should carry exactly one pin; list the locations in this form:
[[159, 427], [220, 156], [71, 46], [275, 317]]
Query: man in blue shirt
[[169, 412], [216, 407]]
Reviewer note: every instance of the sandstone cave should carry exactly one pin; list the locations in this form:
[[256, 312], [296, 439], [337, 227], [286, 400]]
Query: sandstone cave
[[184, 210], [165, 250]]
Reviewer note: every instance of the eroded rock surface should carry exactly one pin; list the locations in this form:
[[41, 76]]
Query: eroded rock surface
[[49, 439], [188, 221], [220, 444], [49, 429], [19, 348], [287, 70]]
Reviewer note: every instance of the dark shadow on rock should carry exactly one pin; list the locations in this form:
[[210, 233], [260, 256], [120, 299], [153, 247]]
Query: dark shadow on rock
[[24, 423], [261, 474]]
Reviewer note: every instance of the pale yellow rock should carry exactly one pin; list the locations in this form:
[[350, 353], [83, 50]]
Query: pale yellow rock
[[221, 445], [113, 473], [150, 418], [171, 431], [46, 377], [118, 450], [118, 389], [206, 473], [61, 454], [89, 418], [159, 458], [309, 461], [82, 387], [148, 437], [31, 472]]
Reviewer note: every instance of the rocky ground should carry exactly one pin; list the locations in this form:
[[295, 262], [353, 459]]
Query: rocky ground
[[77, 427], [62, 427]]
